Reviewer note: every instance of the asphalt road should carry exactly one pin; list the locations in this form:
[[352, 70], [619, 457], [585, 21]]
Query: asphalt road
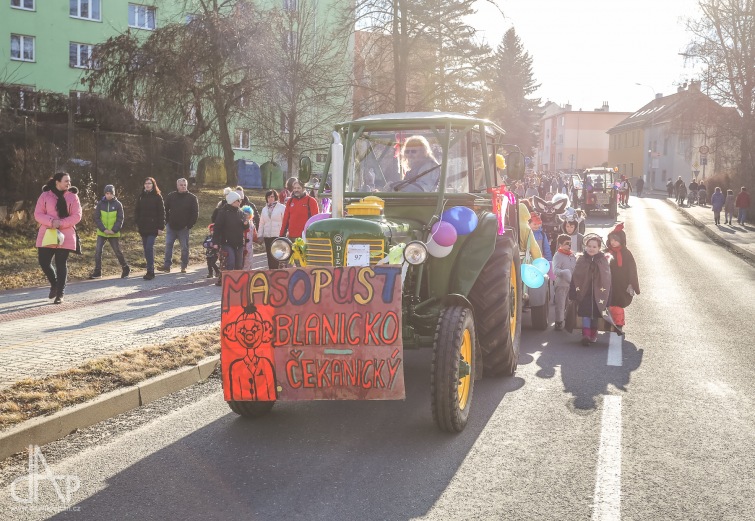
[[659, 426]]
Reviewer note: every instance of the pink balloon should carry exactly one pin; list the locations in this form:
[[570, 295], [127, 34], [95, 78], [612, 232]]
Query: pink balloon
[[316, 217], [443, 233]]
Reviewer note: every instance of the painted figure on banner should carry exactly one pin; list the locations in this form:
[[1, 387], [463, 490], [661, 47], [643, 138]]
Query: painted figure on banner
[[251, 377]]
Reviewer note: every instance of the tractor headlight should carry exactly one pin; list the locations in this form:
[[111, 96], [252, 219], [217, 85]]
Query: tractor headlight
[[415, 253], [281, 249]]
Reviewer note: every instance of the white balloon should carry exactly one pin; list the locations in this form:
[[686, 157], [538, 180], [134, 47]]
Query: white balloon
[[438, 251]]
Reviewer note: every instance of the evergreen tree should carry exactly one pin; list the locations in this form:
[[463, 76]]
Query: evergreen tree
[[509, 84]]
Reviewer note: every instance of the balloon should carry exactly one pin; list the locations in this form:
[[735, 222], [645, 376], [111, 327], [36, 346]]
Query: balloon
[[531, 277], [463, 219], [443, 233], [316, 217], [436, 250], [542, 265]]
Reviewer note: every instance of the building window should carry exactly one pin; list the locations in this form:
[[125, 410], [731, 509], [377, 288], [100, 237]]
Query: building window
[[141, 16], [22, 47], [23, 4], [241, 139], [320, 157], [21, 97], [290, 41], [142, 111], [284, 123], [80, 55], [86, 9], [563, 120], [290, 5]]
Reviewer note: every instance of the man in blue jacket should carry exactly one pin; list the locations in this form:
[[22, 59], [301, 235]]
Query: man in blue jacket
[[108, 217]]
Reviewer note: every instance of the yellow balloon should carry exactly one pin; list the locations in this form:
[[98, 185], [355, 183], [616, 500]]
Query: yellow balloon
[[500, 162]]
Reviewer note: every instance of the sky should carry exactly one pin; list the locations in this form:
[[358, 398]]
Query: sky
[[585, 52]]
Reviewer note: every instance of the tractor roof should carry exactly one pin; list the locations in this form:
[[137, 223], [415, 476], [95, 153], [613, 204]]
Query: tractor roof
[[413, 120]]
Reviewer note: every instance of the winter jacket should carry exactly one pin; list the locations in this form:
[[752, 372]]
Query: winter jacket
[[181, 210], [542, 241], [297, 213], [717, 201], [108, 215], [729, 204], [563, 267], [150, 213], [591, 285], [743, 200], [230, 226], [622, 277], [46, 212], [271, 220]]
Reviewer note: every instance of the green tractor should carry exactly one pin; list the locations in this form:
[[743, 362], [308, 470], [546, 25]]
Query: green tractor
[[395, 177]]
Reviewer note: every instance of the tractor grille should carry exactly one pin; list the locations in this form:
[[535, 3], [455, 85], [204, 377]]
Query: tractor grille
[[319, 252]]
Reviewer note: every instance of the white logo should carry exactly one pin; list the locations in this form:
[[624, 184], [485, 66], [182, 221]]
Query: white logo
[[65, 485]]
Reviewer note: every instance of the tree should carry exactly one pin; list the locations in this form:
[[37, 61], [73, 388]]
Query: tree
[[432, 52], [509, 84], [724, 38], [194, 74], [306, 89]]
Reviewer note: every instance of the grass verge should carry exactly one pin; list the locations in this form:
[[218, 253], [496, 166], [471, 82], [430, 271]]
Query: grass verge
[[37, 397]]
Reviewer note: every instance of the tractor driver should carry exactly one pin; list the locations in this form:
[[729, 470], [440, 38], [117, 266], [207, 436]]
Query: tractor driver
[[421, 167]]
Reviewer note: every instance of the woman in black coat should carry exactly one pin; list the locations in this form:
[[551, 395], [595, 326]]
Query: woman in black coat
[[228, 233], [150, 220]]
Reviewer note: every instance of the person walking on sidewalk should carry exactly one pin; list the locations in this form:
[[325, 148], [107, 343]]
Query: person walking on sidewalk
[[670, 188], [181, 213], [639, 185], [228, 233], [742, 203], [58, 211], [150, 221], [271, 221], [717, 201], [108, 217], [729, 206]]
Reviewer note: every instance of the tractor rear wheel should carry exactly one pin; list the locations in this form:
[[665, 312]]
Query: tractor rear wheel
[[497, 302], [452, 375], [251, 409]]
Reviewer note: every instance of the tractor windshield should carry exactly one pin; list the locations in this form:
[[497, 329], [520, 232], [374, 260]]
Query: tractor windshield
[[406, 161]]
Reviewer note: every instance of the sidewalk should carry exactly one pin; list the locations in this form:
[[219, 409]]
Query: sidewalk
[[101, 317], [739, 239]]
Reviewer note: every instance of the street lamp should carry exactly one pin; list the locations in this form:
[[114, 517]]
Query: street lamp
[[651, 174]]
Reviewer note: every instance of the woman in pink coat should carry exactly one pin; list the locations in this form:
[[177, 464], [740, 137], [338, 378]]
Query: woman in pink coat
[[58, 208]]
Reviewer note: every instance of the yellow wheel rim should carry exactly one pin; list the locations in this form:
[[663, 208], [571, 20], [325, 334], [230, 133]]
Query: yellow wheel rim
[[465, 383], [515, 299]]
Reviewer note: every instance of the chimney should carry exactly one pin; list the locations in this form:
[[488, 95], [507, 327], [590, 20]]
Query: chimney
[[679, 89], [605, 106], [695, 86], [567, 107], [658, 95]]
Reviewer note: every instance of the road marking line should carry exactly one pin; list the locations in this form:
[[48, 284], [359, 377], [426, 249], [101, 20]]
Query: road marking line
[[614, 350], [607, 501]]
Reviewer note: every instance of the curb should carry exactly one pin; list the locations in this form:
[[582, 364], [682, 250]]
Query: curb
[[710, 233], [45, 429]]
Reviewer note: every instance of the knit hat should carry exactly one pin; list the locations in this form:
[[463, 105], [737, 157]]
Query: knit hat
[[232, 197], [619, 233], [109, 189], [591, 236], [226, 191]]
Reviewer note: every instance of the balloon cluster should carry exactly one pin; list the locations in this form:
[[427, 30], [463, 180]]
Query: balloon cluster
[[533, 275], [455, 221]]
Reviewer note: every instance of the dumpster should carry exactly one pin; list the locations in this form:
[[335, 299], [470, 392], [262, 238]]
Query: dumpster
[[272, 175], [249, 175], [211, 172]]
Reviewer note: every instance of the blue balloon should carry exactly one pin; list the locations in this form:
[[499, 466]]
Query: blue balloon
[[531, 276], [542, 265], [463, 219]]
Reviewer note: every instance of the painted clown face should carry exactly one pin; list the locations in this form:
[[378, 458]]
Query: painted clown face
[[250, 330]]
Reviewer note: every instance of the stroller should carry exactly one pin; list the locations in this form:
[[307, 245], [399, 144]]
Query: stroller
[[702, 197], [691, 197]]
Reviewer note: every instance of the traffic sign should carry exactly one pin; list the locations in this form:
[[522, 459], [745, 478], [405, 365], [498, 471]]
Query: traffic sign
[[704, 149], [703, 160]]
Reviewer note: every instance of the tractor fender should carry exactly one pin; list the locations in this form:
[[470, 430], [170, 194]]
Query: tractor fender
[[454, 299]]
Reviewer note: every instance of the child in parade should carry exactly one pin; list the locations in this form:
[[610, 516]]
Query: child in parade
[[624, 281], [250, 237], [536, 224], [590, 287], [564, 262], [211, 255]]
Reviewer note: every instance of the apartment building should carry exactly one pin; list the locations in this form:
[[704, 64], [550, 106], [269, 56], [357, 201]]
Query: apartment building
[[573, 140]]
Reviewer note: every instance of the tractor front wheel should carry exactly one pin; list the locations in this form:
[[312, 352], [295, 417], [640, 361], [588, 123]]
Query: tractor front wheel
[[251, 409], [453, 366]]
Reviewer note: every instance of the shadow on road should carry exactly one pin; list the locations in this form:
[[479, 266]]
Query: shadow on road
[[584, 371], [306, 460]]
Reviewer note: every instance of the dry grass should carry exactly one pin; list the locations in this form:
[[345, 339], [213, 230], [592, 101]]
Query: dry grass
[[36, 397], [18, 255]]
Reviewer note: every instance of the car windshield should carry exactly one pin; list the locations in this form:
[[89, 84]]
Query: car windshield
[[405, 161]]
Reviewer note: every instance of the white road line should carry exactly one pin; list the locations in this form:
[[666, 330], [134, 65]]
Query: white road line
[[614, 349], [607, 501]]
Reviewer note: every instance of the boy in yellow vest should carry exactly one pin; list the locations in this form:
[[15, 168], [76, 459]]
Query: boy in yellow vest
[[108, 216]]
